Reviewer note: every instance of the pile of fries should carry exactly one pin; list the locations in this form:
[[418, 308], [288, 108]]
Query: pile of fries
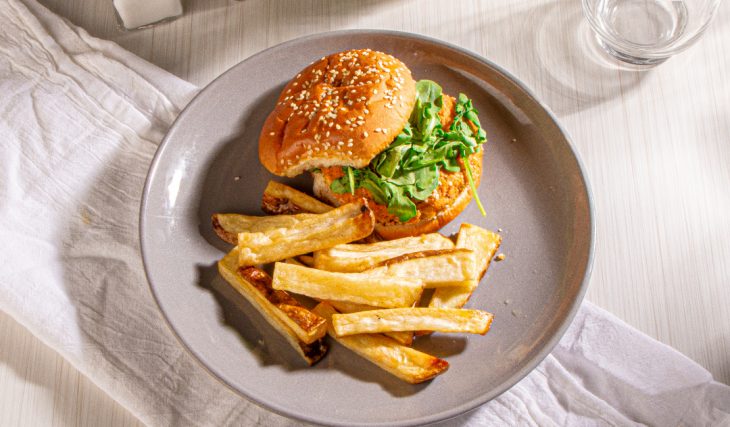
[[369, 296]]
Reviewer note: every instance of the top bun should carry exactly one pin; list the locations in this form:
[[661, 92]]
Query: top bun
[[342, 110]]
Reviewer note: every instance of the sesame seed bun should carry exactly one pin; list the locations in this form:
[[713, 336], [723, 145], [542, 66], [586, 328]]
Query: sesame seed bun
[[342, 110]]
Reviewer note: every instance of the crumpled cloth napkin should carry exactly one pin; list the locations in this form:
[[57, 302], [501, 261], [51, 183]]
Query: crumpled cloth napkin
[[80, 120]]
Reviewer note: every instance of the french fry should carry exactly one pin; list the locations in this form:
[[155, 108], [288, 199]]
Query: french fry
[[404, 362], [484, 243], [352, 287], [412, 319], [354, 258], [439, 268], [227, 225], [449, 297], [403, 337], [345, 224], [300, 327], [306, 260], [280, 199]]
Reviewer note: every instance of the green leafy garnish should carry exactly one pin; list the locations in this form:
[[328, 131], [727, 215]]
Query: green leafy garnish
[[409, 168]]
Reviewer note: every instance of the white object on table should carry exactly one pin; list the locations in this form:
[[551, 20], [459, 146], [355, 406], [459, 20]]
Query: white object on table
[[95, 317], [138, 13]]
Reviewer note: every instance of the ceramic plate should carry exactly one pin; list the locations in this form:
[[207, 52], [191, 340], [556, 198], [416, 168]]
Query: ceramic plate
[[533, 188]]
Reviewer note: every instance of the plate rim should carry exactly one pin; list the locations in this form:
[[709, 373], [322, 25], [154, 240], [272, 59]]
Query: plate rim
[[456, 410]]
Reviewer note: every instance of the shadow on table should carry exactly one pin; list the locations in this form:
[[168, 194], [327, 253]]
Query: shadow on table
[[578, 74], [553, 50]]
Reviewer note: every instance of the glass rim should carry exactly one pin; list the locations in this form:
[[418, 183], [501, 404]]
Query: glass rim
[[644, 51]]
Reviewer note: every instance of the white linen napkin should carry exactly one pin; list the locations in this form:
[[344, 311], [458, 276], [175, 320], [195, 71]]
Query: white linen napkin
[[80, 120]]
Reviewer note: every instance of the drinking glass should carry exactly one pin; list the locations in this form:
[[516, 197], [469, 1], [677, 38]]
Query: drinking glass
[[647, 32]]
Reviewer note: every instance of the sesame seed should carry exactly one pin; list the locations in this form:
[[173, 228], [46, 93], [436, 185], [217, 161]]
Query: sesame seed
[[365, 134], [272, 133], [349, 153]]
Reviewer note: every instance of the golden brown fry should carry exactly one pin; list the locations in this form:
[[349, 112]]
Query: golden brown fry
[[353, 287], [280, 199], [412, 319], [404, 362], [300, 327], [484, 243], [450, 297], [353, 258], [347, 223], [445, 267], [403, 337], [227, 226], [306, 260]]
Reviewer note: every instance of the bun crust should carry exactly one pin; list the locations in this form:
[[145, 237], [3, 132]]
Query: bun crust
[[342, 110]]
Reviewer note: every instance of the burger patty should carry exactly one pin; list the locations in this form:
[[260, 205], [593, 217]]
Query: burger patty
[[451, 184]]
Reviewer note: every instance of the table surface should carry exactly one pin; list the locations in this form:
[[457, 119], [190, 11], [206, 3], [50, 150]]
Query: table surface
[[656, 146]]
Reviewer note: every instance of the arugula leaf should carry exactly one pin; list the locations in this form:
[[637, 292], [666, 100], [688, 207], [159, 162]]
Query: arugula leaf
[[409, 168], [401, 205]]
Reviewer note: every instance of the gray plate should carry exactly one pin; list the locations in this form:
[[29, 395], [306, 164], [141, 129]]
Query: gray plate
[[533, 188]]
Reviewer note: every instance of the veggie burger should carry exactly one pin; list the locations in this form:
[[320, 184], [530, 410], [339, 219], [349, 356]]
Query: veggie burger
[[359, 123]]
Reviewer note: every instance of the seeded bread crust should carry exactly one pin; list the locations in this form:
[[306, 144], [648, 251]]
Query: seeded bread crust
[[342, 110]]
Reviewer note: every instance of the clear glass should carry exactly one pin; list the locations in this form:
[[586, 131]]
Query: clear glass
[[647, 32]]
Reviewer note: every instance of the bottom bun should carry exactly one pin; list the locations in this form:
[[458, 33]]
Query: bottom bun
[[448, 201]]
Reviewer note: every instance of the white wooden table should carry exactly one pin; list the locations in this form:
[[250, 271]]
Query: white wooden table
[[656, 146]]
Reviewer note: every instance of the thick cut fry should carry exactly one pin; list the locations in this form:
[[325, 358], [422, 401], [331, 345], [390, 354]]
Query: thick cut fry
[[450, 297], [412, 319], [280, 199], [306, 260], [484, 243], [305, 324], [227, 226], [353, 287], [404, 362], [445, 267], [345, 224], [403, 337], [353, 258], [282, 312]]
